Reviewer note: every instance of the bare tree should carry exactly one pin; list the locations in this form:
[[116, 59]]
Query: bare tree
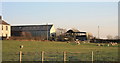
[[60, 31], [75, 30], [116, 37], [109, 37]]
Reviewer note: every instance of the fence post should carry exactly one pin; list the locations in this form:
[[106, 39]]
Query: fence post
[[20, 56], [92, 57], [42, 56], [64, 56]]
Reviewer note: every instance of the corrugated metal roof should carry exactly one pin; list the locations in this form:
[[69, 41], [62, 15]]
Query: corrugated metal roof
[[31, 27]]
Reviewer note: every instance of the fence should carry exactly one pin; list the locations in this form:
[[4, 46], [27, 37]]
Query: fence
[[60, 56]]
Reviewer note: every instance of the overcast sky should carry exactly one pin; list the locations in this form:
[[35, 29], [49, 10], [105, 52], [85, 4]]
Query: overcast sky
[[85, 16]]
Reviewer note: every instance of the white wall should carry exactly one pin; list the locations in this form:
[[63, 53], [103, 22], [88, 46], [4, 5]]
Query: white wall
[[52, 30], [4, 31]]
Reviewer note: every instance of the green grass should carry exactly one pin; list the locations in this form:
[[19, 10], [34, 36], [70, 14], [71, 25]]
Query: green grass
[[54, 51]]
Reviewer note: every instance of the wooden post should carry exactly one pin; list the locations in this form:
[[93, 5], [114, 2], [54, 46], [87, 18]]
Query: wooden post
[[20, 56], [42, 56], [92, 57], [64, 56]]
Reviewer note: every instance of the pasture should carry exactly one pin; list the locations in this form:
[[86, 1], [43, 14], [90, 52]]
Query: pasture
[[54, 51]]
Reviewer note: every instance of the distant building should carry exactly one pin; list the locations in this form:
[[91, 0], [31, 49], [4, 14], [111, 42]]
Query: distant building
[[41, 32], [76, 34], [5, 29]]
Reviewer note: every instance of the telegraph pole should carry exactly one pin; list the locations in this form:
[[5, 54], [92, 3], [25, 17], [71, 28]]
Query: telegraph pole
[[98, 33]]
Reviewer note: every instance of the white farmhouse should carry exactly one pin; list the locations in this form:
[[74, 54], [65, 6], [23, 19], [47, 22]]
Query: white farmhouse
[[5, 29]]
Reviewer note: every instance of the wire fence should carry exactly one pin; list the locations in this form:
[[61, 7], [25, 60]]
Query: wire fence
[[60, 56]]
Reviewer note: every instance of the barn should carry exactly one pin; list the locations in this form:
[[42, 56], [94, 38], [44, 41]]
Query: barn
[[41, 32], [76, 34]]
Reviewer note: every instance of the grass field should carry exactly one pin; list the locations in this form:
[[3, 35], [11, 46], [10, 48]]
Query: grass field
[[54, 51]]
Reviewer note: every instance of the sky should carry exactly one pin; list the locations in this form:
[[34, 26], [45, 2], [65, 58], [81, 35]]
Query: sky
[[60, 0], [85, 16]]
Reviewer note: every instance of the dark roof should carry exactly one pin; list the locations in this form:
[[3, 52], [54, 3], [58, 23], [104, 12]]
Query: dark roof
[[3, 22], [31, 27], [72, 31]]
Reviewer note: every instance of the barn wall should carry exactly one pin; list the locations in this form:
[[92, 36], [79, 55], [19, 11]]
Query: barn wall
[[32, 31]]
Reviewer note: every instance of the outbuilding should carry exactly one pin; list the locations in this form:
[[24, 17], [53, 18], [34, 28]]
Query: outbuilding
[[76, 34], [41, 32]]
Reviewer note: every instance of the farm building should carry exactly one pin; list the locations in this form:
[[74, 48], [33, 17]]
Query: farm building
[[5, 29], [76, 34], [41, 32]]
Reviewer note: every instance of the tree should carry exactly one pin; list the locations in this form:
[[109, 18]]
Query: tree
[[109, 37], [75, 30], [116, 37], [60, 31]]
